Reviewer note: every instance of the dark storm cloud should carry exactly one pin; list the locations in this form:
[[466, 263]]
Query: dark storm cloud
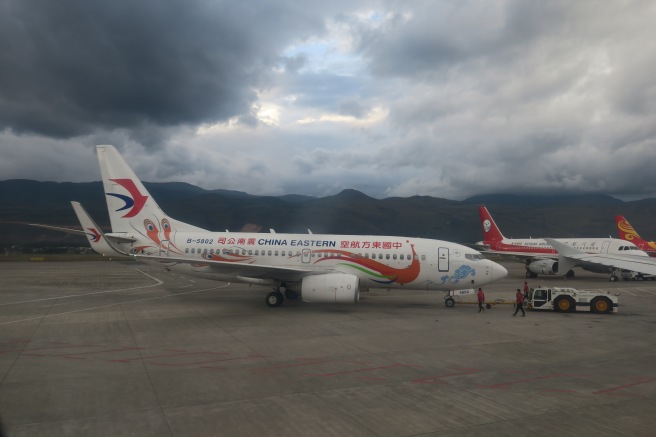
[[441, 97], [72, 67], [449, 37]]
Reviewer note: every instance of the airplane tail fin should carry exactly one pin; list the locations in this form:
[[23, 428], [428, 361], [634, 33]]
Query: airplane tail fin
[[627, 232], [491, 232], [131, 207]]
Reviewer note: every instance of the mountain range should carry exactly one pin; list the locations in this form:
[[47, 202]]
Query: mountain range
[[349, 212]]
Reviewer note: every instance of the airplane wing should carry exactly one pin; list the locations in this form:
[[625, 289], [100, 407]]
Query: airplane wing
[[115, 238], [100, 242], [568, 255], [516, 256], [238, 268], [57, 228]]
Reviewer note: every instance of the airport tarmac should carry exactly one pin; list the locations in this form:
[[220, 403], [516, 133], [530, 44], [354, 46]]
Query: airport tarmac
[[122, 348]]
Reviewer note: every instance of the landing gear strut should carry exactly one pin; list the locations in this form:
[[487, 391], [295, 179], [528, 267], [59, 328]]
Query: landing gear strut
[[277, 297]]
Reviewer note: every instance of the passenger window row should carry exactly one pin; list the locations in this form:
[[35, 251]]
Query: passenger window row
[[264, 252]]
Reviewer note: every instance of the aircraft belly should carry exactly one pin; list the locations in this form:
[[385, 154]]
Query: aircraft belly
[[595, 268]]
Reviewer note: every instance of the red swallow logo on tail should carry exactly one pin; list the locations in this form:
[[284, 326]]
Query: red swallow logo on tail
[[134, 203]]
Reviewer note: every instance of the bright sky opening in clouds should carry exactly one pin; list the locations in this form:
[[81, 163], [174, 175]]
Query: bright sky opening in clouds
[[393, 98]]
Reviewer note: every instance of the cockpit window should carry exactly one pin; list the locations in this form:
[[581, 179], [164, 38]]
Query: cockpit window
[[473, 256]]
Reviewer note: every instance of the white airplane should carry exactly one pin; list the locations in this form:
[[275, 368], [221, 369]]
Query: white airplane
[[570, 256], [542, 258], [318, 268]]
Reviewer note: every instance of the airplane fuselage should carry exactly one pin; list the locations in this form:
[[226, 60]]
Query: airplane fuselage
[[539, 246], [378, 261]]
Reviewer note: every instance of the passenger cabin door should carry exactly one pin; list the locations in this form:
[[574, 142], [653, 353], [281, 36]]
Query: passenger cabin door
[[306, 255], [443, 259], [604, 246]]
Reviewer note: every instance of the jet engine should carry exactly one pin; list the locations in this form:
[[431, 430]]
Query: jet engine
[[331, 288], [543, 267]]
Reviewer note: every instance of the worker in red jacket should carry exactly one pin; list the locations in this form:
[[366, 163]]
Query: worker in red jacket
[[519, 303], [481, 300]]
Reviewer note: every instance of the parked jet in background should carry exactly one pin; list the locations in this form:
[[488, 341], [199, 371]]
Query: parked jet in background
[[541, 258], [569, 256], [318, 268], [627, 233]]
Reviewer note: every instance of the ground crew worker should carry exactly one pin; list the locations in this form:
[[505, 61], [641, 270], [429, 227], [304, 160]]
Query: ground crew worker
[[519, 303], [525, 290], [481, 300]]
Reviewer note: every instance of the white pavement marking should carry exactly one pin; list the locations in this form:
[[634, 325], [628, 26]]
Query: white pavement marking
[[95, 292], [622, 290], [141, 292], [114, 304], [62, 303]]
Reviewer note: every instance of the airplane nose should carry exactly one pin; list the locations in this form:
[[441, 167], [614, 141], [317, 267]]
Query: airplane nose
[[498, 271]]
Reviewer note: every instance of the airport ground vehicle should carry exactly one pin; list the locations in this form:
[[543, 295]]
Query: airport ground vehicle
[[453, 297], [570, 300], [629, 275]]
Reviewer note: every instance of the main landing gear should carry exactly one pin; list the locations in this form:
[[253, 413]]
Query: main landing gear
[[277, 297]]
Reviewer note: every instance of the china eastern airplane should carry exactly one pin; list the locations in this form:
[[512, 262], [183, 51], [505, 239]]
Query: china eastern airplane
[[541, 258], [627, 233], [317, 268]]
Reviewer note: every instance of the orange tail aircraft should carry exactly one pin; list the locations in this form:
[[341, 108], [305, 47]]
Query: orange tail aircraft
[[627, 233]]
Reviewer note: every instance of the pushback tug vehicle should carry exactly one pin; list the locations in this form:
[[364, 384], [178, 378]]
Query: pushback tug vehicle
[[570, 300]]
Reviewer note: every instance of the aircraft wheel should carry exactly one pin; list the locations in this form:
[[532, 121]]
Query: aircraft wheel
[[275, 299], [613, 278], [449, 302], [570, 274], [529, 274]]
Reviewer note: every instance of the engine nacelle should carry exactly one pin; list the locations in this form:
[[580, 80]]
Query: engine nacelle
[[543, 267], [331, 288]]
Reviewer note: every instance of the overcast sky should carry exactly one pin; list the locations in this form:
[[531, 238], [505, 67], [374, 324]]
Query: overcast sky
[[392, 98]]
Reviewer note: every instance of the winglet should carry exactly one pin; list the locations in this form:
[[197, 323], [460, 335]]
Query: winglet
[[99, 242], [562, 248], [567, 255]]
